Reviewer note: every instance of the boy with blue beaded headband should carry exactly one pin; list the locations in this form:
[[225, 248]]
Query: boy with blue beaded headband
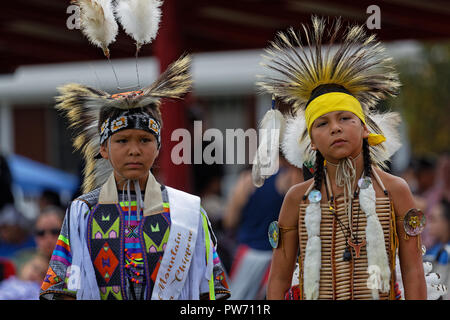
[[128, 237]]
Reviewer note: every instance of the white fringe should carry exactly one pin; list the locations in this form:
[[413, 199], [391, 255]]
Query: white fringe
[[313, 251], [265, 162], [376, 250]]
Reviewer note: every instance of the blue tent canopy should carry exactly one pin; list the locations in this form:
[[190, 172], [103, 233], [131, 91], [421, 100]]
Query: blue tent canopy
[[34, 177]]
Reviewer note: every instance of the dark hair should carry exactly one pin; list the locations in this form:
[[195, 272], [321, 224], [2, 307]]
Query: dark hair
[[52, 197], [326, 88], [318, 167], [367, 158], [6, 195], [52, 209], [445, 205], [318, 171], [151, 110], [446, 209]]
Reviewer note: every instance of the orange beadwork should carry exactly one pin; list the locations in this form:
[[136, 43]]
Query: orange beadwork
[[127, 95]]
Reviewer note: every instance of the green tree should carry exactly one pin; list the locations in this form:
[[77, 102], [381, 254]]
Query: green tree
[[424, 101]]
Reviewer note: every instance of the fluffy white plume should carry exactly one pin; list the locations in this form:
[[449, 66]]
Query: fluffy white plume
[[98, 23], [140, 19], [388, 123], [295, 145], [435, 287], [271, 132]]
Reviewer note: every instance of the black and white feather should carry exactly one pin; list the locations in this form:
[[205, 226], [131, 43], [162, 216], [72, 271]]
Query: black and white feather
[[98, 23]]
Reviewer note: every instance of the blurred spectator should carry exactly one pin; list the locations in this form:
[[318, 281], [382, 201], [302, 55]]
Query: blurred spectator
[[14, 227], [6, 195], [49, 198], [27, 284], [420, 176], [439, 254], [432, 180], [249, 211], [425, 172], [441, 187], [409, 175], [47, 228], [7, 269], [208, 186], [15, 233]]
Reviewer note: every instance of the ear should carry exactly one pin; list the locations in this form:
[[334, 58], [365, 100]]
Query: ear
[[365, 132], [104, 150], [313, 146]]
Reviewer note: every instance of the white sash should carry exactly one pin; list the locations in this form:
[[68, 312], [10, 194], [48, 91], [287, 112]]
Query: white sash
[[178, 254]]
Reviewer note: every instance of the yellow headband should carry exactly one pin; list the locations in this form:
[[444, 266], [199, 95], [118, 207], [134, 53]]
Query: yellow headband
[[338, 101], [332, 101]]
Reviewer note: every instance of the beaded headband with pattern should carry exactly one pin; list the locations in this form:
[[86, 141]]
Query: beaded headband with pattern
[[130, 121]]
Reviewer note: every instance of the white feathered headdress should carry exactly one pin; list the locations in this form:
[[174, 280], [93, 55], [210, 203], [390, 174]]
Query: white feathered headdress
[[298, 63], [81, 106]]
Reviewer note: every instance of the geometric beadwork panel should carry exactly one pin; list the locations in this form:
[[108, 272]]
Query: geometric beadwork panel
[[110, 293], [105, 255], [104, 240], [106, 215], [106, 262], [156, 233]]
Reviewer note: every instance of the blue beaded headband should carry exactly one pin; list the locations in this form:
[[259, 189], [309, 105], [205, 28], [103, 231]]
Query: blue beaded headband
[[130, 121]]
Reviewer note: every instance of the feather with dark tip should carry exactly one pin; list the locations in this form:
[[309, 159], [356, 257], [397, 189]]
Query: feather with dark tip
[[298, 62]]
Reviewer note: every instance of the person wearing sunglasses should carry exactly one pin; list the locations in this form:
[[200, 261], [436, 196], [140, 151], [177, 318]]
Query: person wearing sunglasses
[[47, 228]]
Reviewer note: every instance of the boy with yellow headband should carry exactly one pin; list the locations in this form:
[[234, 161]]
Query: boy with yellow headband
[[347, 225]]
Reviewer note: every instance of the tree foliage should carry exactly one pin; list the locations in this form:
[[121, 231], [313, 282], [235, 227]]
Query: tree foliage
[[424, 101]]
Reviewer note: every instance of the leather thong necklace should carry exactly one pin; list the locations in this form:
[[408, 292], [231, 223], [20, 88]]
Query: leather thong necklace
[[351, 239]]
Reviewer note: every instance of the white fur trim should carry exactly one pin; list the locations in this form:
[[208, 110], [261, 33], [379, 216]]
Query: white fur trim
[[313, 252], [387, 123], [376, 248], [295, 149], [435, 288], [266, 162]]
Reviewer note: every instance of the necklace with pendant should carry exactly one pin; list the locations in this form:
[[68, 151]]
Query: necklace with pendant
[[351, 240]]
